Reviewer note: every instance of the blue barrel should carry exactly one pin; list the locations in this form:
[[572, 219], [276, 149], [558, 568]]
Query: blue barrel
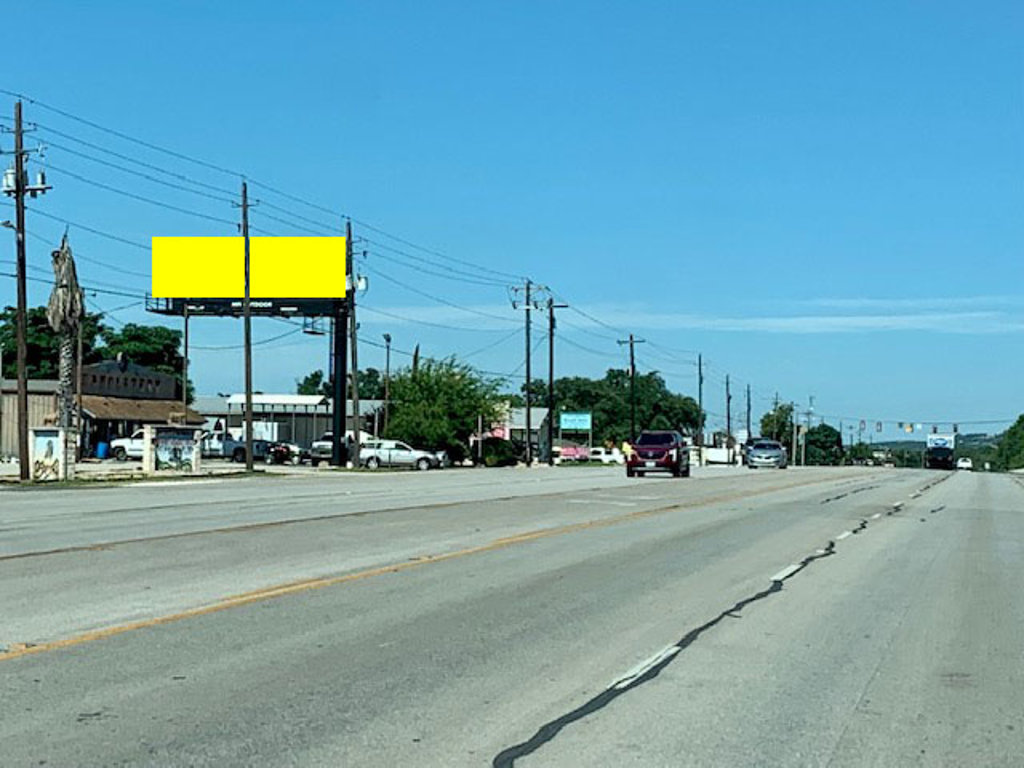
[[102, 450]]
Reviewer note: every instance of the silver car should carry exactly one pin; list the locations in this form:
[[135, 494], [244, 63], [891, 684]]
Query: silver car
[[766, 453], [394, 453]]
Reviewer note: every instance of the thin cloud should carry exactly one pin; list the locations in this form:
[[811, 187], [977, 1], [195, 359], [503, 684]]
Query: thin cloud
[[965, 322], [896, 304]]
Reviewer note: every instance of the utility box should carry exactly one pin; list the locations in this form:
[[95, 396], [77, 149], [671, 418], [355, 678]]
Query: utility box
[[172, 450], [52, 454]]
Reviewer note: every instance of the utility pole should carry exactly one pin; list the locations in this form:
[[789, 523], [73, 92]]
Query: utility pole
[[700, 407], [78, 384], [247, 315], [184, 369], [775, 419], [529, 381], [792, 416], [528, 304], [16, 185], [749, 435], [728, 419], [632, 383], [387, 379], [551, 378], [356, 423], [340, 358]]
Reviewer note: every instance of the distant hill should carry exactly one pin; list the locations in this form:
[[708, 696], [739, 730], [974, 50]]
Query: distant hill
[[965, 442]]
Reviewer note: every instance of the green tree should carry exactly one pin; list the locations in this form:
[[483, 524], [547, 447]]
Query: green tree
[[436, 406], [43, 345], [778, 424], [824, 446], [313, 384], [152, 346], [608, 400], [371, 384], [1010, 451]]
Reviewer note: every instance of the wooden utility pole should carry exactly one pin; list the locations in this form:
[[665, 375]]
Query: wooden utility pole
[[700, 406], [528, 289], [78, 385], [387, 380], [792, 415], [775, 419], [247, 315], [749, 434], [728, 418], [551, 378], [350, 285], [632, 341], [22, 320], [184, 371], [529, 380]]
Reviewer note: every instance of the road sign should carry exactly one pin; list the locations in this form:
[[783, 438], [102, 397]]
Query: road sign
[[575, 421]]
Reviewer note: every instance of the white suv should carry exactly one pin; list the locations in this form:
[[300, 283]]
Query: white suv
[[964, 462]]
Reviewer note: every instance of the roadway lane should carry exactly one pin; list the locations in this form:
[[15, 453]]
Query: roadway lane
[[897, 644], [37, 519]]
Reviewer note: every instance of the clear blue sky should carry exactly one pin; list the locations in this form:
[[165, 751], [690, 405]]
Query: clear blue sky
[[824, 199]]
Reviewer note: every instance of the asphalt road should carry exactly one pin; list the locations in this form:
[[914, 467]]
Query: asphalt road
[[541, 617]]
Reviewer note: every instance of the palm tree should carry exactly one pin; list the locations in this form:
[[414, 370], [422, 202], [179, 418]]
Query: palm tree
[[64, 312]]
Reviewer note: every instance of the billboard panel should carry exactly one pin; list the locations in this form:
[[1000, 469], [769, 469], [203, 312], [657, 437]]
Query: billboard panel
[[214, 267]]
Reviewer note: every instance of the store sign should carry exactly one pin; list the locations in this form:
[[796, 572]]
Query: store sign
[[579, 422]]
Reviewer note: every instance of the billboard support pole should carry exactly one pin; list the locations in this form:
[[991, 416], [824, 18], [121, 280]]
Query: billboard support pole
[[338, 457], [247, 315]]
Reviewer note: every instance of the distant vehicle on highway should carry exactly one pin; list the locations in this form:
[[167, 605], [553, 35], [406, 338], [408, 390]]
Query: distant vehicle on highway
[[964, 462], [938, 451], [767, 453], [662, 451]]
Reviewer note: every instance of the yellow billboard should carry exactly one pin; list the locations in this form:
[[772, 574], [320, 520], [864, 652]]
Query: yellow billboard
[[279, 267]]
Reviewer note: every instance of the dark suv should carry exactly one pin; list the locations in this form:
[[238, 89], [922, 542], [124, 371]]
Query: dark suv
[[659, 452]]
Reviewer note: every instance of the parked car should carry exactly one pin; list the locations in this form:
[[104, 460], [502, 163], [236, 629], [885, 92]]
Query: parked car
[[222, 445], [607, 456], [394, 453], [662, 451], [124, 448], [964, 462], [767, 453]]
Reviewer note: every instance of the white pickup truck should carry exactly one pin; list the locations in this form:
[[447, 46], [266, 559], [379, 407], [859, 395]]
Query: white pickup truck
[[124, 448]]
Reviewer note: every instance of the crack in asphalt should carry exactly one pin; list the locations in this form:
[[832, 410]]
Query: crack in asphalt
[[547, 732], [849, 493], [551, 729]]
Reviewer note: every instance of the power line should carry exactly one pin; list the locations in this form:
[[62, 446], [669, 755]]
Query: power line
[[128, 158], [437, 299], [139, 174], [407, 319], [141, 198], [92, 230]]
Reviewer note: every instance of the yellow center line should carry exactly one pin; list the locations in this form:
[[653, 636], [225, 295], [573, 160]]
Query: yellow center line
[[305, 585]]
